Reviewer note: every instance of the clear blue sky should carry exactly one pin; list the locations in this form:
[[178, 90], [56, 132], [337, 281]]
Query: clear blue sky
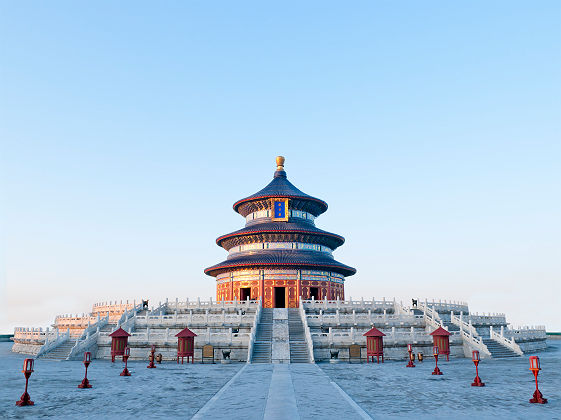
[[128, 129]]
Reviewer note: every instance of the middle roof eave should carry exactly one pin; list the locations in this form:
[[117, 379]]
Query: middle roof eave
[[282, 228]]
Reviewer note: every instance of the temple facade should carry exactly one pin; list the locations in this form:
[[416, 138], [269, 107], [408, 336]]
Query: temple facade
[[280, 256]]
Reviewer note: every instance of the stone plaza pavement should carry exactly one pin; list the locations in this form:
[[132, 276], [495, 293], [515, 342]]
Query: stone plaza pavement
[[281, 392]]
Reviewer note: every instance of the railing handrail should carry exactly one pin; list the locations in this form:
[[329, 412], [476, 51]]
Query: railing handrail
[[253, 332], [49, 345], [511, 344], [307, 335], [476, 342]]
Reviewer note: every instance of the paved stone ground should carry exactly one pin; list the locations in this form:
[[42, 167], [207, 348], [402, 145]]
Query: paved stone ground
[[280, 392], [169, 391], [294, 391], [391, 390]]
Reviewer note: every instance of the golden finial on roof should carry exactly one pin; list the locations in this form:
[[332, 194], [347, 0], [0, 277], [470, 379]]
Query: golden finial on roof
[[280, 163]]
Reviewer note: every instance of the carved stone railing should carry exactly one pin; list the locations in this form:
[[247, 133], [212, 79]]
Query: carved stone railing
[[112, 308], [211, 305], [431, 316], [168, 336], [31, 335], [348, 304], [525, 333], [343, 336], [459, 321], [363, 319], [475, 343], [488, 320], [509, 343], [445, 306], [307, 335], [253, 332], [52, 344], [89, 338]]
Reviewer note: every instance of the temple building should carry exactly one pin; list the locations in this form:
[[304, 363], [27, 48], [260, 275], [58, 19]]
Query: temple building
[[280, 256]]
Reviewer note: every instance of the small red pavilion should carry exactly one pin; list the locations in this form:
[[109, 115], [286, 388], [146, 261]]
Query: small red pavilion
[[441, 339], [119, 340], [185, 345], [374, 344]]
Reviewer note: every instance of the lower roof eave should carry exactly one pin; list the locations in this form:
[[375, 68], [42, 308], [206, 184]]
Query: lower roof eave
[[345, 271]]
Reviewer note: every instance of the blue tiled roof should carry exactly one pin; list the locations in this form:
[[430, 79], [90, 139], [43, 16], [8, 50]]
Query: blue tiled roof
[[280, 186], [298, 259], [284, 227]]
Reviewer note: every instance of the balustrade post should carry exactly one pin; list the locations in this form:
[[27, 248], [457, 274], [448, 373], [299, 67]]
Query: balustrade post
[[208, 335], [385, 315], [502, 331], [330, 336]]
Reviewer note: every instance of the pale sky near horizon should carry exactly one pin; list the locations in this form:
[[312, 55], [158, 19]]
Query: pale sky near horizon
[[129, 129]]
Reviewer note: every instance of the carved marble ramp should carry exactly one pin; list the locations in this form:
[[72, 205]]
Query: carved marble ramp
[[279, 392]]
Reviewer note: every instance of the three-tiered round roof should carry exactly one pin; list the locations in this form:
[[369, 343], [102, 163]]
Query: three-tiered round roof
[[279, 237]]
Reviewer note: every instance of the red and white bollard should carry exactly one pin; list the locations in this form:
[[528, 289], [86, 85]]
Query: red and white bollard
[[27, 371], [87, 360], [151, 357], [126, 356], [537, 398], [476, 359], [436, 370], [411, 356]]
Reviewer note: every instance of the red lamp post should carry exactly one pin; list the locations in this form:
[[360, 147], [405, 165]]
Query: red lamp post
[[436, 370], [151, 357], [476, 359], [87, 360], [27, 371], [126, 356], [535, 368], [411, 356]]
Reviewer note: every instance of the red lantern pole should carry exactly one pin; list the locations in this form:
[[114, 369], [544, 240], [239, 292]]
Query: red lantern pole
[[535, 368], [476, 359], [436, 370], [87, 360], [151, 358], [411, 356], [126, 356], [27, 371]]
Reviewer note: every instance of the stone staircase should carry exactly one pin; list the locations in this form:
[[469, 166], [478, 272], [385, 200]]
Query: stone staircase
[[262, 347], [297, 339], [449, 325], [60, 352], [498, 350]]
